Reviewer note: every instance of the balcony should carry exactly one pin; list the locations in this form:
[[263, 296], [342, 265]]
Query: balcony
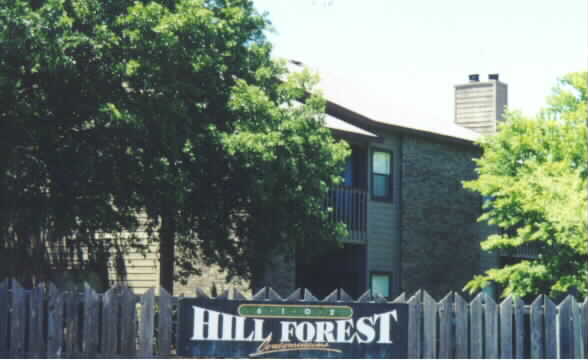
[[349, 207]]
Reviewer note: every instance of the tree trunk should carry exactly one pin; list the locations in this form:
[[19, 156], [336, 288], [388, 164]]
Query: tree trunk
[[167, 236]]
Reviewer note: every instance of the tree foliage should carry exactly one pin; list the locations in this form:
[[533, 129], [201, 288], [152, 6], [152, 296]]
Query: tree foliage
[[533, 176], [173, 109]]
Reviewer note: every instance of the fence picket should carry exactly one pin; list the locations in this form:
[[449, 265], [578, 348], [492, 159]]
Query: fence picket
[[4, 313], [506, 328], [566, 328], [36, 342], [128, 327], [165, 323], [72, 322], [585, 326], [461, 328], [430, 326], [490, 328], [91, 321], [146, 328], [110, 318], [54, 322], [519, 318], [414, 326], [446, 339], [17, 319], [537, 328], [476, 331], [550, 328], [577, 330]]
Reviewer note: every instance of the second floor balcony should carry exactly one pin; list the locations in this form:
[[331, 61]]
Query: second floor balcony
[[349, 206]]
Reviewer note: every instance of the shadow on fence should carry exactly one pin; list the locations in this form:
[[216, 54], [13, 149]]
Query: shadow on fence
[[47, 322]]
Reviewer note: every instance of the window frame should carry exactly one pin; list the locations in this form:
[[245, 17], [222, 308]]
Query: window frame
[[389, 197], [381, 273]]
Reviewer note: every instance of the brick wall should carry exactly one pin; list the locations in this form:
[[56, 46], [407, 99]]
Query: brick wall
[[440, 248]]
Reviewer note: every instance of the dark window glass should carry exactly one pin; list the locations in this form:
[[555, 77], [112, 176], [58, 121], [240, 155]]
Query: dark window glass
[[382, 175]]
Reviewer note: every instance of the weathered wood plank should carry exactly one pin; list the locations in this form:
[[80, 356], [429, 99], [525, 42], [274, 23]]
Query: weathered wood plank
[[344, 296], [430, 326], [401, 299], [519, 318], [165, 323], [476, 331], [537, 328], [461, 328], [146, 328], [55, 322], [578, 341], [446, 339], [506, 336], [18, 319], [490, 327], [128, 318], [4, 316], [550, 325], [566, 328], [110, 320], [72, 323], [36, 341], [91, 321], [414, 327], [585, 326]]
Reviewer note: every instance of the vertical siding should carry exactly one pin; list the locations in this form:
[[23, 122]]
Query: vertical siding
[[383, 245]]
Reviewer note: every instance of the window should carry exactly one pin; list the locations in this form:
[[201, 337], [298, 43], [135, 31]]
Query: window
[[381, 175], [381, 283]]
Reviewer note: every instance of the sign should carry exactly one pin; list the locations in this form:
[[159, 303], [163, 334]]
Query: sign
[[228, 328]]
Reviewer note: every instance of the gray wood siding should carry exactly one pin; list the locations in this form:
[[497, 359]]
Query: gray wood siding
[[475, 106], [383, 245]]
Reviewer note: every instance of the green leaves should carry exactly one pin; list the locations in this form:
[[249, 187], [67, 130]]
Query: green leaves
[[533, 174]]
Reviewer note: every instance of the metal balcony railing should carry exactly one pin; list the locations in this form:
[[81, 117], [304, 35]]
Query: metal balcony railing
[[349, 207]]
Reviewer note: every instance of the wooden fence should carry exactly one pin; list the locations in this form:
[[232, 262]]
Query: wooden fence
[[47, 322]]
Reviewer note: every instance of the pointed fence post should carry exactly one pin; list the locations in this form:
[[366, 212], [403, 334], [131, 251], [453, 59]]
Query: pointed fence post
[[565, 324], [55, 323], [165, 323], [585, 326], [519, 318], [128, 318], [491, 328], [147, 324], [461, 328], [506, 337], [537, 328], [36, 341], [110, 323], [415, 326], [550, 323], [4, 313], [18, 319], [446, 338], [476, 330], [577, 329], [72, 322], [91, 321], [430, 326]]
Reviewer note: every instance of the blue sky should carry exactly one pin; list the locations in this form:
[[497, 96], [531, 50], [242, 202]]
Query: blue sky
[[407, 55]]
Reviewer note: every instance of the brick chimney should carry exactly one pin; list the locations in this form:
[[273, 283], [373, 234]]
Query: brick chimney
[[479, 105]]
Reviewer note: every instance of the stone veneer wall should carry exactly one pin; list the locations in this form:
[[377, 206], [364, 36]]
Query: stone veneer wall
[[440, 248]]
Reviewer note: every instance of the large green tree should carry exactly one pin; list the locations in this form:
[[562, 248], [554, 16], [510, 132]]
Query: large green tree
[[171, 109], [533, 175]]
